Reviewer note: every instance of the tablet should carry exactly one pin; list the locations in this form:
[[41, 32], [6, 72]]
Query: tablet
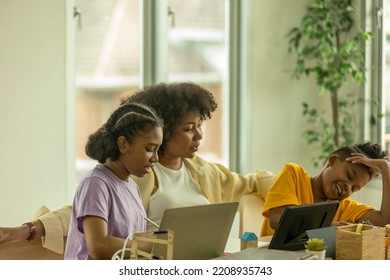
[[296, 220]]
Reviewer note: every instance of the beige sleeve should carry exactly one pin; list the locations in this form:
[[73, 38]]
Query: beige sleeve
[[56, 224]]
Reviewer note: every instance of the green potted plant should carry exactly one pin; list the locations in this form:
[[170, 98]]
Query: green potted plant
[[328, 46], [316, 246]]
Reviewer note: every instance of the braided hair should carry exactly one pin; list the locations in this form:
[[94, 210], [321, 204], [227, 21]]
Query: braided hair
[[129, 120]]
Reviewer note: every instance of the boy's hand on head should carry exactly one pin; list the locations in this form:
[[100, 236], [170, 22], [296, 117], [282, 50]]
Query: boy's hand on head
[[374, 164]]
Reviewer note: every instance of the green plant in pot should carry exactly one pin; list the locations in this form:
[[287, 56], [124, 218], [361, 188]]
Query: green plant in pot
[[328, 46], [316, 246]]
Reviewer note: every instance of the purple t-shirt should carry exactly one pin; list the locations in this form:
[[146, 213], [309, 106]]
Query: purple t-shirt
[[101, 193]]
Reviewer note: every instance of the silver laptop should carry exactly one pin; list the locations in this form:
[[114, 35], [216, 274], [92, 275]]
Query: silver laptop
[[200, 232]]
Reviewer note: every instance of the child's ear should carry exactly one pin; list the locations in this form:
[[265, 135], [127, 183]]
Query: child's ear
[[331, 160], [122, 144]]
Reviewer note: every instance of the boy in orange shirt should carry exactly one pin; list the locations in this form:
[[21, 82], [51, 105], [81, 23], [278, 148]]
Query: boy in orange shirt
[[346, 171]]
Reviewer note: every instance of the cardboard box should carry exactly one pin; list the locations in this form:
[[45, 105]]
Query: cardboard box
[[369, 244]]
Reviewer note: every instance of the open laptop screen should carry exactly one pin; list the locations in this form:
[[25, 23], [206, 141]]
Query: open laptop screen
[[296, 220], [200, 232]]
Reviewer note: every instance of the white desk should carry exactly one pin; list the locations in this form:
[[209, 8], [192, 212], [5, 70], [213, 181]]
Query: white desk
[[267, 254], [233, 248]]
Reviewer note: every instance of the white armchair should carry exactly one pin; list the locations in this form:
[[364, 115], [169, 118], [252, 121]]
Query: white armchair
[[250, 209]]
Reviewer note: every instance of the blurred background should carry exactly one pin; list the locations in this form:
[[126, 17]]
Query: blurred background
[[65, 64]]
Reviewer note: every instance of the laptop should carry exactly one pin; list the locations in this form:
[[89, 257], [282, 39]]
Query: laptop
[[200, 232], [291, 233], [328, 234]]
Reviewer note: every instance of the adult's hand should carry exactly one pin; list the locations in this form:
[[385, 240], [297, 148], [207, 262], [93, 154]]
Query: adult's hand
[[10, 234]]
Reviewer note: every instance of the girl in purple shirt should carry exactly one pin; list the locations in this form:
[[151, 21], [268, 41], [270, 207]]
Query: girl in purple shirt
[[107, 205]]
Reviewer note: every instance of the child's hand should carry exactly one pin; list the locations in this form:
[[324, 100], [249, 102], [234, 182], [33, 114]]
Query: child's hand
[[375, 165]]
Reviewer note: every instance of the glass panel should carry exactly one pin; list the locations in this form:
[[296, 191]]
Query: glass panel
[[107, 56], [107, 65], [198, 52], [386, 80]]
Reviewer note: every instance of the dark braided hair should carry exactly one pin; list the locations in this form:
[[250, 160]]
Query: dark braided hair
[[129, 120], [173, 101]]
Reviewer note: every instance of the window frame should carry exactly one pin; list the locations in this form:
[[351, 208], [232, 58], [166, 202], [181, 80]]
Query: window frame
[[372, 20], [153, 65]]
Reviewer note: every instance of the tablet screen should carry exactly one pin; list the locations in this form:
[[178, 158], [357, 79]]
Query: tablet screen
[[291, 231]]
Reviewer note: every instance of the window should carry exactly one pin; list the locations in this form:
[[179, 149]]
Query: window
[[107, 58], [375, 18], [386, 73], [197, 53], [110, 60], [378, 17]]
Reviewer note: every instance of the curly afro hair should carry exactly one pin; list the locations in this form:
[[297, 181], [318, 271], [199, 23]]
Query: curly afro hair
[[173, 101], [370, 150]]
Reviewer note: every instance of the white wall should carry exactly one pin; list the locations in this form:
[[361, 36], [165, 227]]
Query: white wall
[[36, 115], [276, 112]]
